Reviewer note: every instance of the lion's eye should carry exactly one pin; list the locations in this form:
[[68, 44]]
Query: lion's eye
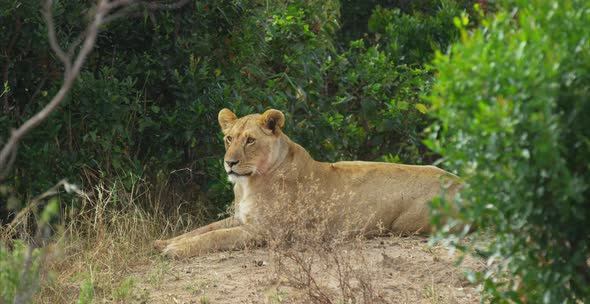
[[250, 140], [228, 139]]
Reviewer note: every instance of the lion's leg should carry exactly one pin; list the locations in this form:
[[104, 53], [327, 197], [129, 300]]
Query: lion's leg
[[217, 240], [225, 223], [414, 221]]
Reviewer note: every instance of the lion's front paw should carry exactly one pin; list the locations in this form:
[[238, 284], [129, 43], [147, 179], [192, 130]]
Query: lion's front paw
[[174, 251], [160, 245]]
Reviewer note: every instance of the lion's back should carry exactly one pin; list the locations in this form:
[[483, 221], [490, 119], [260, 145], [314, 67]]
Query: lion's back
[[386, 172], [387, 182]]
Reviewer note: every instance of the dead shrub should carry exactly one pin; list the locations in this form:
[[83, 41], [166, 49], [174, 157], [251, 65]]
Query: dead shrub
[[317, 247]]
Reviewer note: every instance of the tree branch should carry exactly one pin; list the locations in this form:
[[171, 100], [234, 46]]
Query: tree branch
[[71, 72], [72, 66], [48, 16]]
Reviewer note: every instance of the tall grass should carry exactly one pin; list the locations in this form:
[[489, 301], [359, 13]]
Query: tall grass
[[98, 237]]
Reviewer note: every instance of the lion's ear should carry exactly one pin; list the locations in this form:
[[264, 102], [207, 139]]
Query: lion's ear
[[226, 117], [273, 120]]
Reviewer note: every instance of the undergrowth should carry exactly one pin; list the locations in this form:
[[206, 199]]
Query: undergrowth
[[90, 247]]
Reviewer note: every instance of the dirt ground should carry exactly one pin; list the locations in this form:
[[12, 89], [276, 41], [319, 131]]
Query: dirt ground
[[400, 270]]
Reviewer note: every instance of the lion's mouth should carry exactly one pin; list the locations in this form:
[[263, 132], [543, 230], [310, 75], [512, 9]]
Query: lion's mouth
[[234, 173]]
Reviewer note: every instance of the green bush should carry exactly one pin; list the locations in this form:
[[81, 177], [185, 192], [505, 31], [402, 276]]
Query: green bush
[[21, 263], [376, 110], [512, 100], [146, 102], [412, 38], [13, 280]]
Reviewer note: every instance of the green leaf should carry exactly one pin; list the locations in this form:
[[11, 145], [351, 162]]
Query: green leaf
[[50, 211], [403, 105], [457, 22], [421, 107]]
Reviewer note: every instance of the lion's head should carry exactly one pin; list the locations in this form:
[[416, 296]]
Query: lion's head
[[253, 143]]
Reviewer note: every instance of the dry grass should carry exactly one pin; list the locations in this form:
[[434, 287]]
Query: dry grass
[[103, 234]]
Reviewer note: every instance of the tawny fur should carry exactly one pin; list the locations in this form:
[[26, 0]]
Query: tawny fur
[[383, 197]]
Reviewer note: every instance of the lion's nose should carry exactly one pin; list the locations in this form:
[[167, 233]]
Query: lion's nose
[[231, 163]]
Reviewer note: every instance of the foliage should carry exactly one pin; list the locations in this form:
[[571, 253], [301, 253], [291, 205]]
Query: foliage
[[125, 291], [375, 111], [21, 264], [12, 279], [512, 100], [412, 38], [146, 102], [86, 292]]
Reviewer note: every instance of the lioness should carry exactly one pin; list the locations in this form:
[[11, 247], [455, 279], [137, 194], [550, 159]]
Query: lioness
[[267, 168]]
